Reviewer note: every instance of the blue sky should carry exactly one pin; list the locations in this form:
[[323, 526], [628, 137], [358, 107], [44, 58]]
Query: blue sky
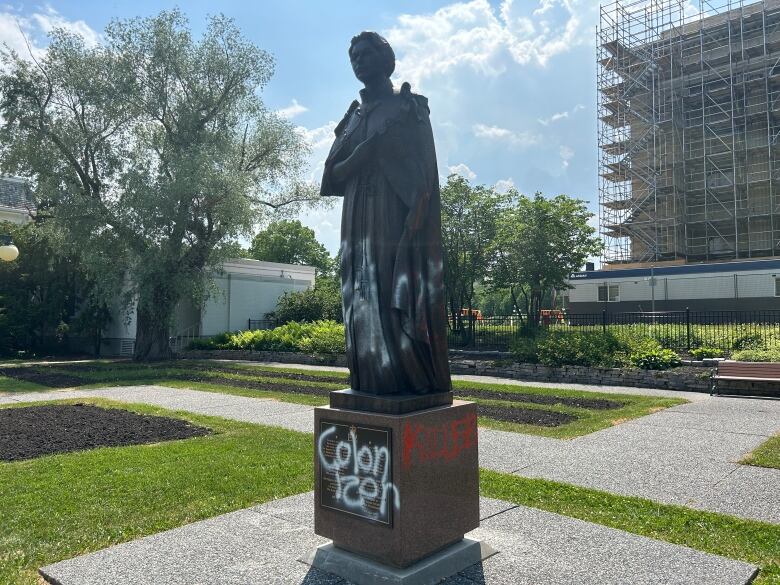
[[511, 84]]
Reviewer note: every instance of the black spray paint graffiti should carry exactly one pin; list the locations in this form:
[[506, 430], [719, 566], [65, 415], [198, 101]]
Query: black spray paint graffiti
[[355, 472]]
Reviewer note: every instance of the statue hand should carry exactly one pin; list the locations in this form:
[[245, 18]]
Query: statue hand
[[359, 157]]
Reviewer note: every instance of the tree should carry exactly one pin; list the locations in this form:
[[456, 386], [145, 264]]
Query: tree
[[314, 304], [290, 242], [47, 295], [153, 147], [539, 243], [469, 218]]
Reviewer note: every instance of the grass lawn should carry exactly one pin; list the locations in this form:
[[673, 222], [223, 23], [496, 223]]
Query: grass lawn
[[514, 408], [766, 455], [754, 542], [11, 385], [60, 506]]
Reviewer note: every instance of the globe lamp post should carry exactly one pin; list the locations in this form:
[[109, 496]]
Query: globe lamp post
[[8, 252]]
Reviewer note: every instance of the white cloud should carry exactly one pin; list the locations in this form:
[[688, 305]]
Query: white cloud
[[521, 139], [294, 109], [567, 154], [50, 19], [319, 141], [24, 34], [13, 30], [557, 117], [318, 137], [504, 185], [477, 35], [463, 170]]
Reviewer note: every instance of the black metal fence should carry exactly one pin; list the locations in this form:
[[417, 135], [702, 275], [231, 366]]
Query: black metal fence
[[262, 324], [679, 330]]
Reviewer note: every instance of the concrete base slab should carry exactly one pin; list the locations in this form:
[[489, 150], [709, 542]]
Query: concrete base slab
[[433, 569], [264, 544]]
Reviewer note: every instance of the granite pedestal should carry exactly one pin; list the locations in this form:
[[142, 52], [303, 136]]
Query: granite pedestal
[[396, 488]]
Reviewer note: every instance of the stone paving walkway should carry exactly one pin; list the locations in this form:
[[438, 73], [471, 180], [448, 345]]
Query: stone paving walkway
[[263, 545], [684, 455]]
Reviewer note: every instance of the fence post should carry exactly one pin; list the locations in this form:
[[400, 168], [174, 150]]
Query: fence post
[[249, 324], [604, 320], [688, 328]]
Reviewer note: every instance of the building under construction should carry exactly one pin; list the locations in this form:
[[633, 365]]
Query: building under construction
[[689, 130]]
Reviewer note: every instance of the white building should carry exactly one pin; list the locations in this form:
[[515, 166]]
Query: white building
[[15, 203], [724, 286], [246, 290]]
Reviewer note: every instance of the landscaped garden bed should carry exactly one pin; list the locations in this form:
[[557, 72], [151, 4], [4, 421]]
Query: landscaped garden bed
[[33, 431], [44, 377], [63, 505], [66, 504], [553, 412]]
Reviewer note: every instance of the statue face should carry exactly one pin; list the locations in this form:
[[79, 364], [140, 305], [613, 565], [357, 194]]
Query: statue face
[[366, 61]]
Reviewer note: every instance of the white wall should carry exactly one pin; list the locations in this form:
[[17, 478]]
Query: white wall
[[756, 284], [248, 289], [245, 289]]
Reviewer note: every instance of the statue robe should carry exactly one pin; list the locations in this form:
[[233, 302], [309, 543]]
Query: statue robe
[[391, 252]]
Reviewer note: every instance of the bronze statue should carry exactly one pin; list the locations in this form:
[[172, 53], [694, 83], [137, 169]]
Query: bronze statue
[[383, 163]]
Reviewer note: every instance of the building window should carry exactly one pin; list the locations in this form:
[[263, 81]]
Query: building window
[[777, 286], [609, 293]]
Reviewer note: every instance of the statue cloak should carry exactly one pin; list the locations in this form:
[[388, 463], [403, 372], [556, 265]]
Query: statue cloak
[[391, 251]]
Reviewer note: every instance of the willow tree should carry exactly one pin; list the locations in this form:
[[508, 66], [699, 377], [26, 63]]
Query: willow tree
[[152, 146]]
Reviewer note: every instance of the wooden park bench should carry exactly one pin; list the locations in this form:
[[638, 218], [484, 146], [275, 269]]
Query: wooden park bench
[[749, 378]]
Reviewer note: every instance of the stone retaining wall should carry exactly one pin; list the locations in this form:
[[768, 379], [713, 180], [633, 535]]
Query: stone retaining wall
[[690, 379], [694, 379]]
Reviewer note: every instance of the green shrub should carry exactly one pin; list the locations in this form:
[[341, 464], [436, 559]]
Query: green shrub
[[324, 337], [655, 359], [675, 336], [748, 341], [525, 350], [318, 337], [706, 352], [323, 302], [757, 355], [575, 348]]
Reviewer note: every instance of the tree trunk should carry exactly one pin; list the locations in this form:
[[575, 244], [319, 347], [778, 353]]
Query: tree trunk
[[153, 316]]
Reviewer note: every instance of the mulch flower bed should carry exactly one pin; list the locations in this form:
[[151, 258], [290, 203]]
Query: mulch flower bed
[[526, 416], [589, 403], [211, 374], [33, 431], [41, 376]]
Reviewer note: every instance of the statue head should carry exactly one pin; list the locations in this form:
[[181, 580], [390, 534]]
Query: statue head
[[371, 56]]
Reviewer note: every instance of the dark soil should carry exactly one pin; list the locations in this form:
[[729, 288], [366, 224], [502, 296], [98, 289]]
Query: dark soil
[[271, 374], [589, 403], [220, 369], [545, 418], [526, 416], [252, 385], [33, 431], [41, 376]]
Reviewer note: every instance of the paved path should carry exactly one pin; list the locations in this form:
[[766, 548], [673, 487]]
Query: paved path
[[684, 455], [263, 545]]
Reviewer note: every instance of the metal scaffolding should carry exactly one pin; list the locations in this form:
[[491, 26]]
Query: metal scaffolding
[[689, 124]]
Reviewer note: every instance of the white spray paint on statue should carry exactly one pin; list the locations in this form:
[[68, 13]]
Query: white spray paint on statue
[[361, 474]]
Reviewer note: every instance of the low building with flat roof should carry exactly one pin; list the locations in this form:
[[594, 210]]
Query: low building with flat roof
[[724, 286]]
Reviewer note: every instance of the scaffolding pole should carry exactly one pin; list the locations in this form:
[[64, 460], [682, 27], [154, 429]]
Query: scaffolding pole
[[689, 121]]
